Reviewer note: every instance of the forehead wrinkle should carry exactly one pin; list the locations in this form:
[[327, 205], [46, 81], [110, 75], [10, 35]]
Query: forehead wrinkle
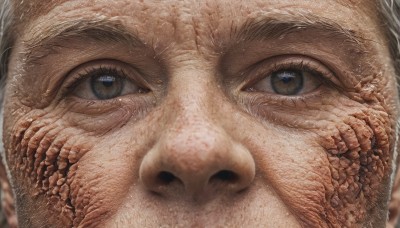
[[28, 10], [44, 39]]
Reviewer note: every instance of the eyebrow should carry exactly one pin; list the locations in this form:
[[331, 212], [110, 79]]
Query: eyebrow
[[109, 31], [104, 31], [268, 28]]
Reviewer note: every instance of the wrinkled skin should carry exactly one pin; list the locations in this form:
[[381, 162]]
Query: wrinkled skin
[[202, 144]]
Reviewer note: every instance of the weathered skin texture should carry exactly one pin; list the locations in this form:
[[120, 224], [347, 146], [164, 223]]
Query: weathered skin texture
[[200, 146]]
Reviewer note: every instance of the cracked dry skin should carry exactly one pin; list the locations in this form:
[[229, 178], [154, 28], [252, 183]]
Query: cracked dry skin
[[46, 152], [201, 145]]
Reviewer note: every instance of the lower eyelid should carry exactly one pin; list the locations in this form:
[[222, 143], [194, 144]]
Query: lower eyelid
[[267, 67], [81, 75]]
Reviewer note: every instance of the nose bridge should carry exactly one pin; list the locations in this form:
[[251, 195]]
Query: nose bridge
[[195, 141], [194, 148], [196, 126], [195, 99]]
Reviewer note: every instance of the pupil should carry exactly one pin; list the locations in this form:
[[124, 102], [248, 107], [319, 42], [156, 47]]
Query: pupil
[[286, 78], [106, 86], [107, 80], [287, 82]]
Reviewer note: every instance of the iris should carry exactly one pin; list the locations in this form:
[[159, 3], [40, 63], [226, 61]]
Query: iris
[[106, 86], [287, 82]]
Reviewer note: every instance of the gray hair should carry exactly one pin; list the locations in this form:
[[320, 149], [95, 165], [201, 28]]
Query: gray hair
[[390, 11], [6, 41]]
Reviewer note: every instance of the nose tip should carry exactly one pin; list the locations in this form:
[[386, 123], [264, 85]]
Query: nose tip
[[205, 167]]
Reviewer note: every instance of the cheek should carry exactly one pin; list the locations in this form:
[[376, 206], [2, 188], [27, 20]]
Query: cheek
[[43, 155], [334, 167], [358, 151]]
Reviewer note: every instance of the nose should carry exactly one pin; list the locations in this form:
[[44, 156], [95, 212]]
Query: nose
[[198, 161]]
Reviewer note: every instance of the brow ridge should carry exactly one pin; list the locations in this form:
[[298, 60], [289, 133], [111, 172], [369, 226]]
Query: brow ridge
[[104, 31]]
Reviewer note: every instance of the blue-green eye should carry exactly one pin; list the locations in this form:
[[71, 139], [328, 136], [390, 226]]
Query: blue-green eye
[[104, 84], [288, 82], [107, 86]]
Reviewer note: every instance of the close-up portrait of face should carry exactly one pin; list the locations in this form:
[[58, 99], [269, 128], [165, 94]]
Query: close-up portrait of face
[[199, 113]]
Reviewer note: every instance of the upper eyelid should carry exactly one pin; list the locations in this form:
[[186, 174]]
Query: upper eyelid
[[87, 73], [86, 70], [265, 67], [103, 70]]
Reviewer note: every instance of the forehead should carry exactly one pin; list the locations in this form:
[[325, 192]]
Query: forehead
[[186, 20], [29, 10]]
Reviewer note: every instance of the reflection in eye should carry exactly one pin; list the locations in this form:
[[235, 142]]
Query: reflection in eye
[[288, 82], [103, 84], [106, 86]]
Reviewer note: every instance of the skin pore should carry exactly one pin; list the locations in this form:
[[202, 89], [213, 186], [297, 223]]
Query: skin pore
[[200, 113]]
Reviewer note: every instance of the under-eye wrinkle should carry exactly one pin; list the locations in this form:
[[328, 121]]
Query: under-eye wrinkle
[[45, 154]]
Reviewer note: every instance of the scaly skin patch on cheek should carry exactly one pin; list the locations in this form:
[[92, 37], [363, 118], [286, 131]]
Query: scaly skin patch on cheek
[[358, 151], [44, 152]]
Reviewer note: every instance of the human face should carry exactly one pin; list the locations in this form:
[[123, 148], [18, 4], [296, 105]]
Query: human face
[[200, 113]]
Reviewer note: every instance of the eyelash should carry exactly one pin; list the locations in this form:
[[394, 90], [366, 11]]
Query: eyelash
[[98, 67], [91, 71], [265, 69]]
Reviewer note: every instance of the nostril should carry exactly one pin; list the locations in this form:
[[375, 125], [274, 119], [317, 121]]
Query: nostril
[[166, 178], [225, 176]]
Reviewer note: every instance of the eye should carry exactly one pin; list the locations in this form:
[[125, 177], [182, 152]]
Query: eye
[[107, 86], [105, 82], [288, 82]]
